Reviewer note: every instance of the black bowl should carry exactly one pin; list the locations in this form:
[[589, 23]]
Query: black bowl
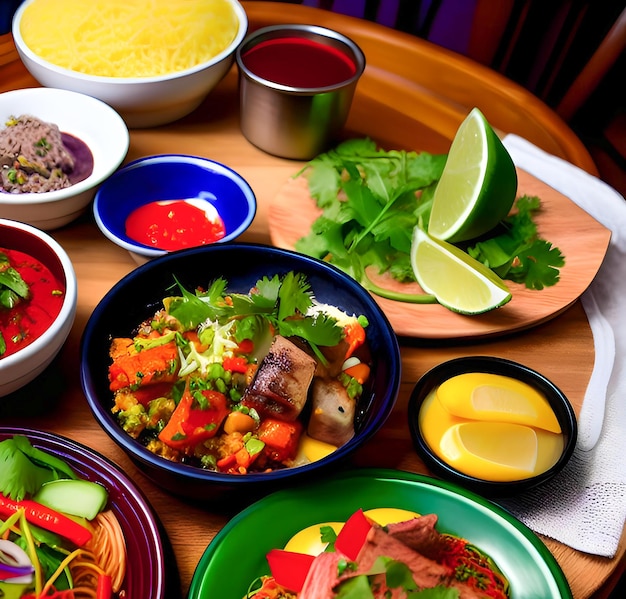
[[487, 364], [140, 294]]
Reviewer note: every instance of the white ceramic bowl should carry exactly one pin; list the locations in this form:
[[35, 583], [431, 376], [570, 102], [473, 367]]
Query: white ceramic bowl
[[21, 367], [142, 101], [90, 120]]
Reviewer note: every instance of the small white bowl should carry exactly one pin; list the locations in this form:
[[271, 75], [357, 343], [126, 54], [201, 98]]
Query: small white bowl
[[90, 120], [21, 367], [142, 101]]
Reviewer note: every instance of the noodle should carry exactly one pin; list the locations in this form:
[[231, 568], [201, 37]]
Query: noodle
[[104, 554], [108, 551], [128, 38]]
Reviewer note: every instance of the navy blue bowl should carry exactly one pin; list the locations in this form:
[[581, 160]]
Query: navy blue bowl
[[172, 177], [140, 294]]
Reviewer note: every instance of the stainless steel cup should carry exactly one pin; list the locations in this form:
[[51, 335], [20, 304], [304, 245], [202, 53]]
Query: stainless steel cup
[[295, 122]]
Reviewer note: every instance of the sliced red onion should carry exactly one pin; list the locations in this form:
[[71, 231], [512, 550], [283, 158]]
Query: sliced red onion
[[15, 565]]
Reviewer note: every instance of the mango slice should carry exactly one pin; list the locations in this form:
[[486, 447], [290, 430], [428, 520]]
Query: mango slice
[[496, 451], [493, 397], [491, 450]]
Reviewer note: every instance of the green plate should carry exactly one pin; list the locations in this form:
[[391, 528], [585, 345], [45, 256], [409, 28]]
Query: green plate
[[236, 556]]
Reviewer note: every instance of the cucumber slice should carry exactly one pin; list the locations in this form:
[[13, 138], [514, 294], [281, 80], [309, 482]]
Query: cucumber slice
[[81, 498]]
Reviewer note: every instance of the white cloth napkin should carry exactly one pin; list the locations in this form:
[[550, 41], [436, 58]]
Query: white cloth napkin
[[585, 505]]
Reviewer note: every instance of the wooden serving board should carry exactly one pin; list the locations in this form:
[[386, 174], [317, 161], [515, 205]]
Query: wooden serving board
[[582, 240]]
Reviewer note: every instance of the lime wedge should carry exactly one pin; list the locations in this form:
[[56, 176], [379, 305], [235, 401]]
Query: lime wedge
[[458, 281], [478, 185]]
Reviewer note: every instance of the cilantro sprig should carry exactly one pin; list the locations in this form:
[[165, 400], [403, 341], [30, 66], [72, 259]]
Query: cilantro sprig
[[518, 253], [371, 201], [281, 303]]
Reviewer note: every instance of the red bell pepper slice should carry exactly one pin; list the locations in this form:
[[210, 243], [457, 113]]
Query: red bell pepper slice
[[104, 589], [289, 568], [353, 534], [191, 423], [235, 364], [44, 517]]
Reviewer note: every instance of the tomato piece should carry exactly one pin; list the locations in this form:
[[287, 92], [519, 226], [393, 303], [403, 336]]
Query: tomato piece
[[144, 395], [245, 347], [351, 537], [289, 568], [235, 364], [191, 423]]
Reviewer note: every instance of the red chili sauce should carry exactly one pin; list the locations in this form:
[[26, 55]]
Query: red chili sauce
[[173, 225], [299, 62], [29, 319]]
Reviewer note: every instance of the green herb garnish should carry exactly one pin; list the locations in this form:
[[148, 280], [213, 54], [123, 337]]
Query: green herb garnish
[[518, 253], [371, 201], [279, 303], [24, 468]]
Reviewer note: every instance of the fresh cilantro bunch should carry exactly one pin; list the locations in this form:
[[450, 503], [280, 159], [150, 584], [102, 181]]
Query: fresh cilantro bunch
[[277, 303], [518, 253], [371, 201]]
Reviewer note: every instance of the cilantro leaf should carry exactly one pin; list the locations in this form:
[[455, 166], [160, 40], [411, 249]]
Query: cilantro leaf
[[24, 468], [371, 200], [537, 266], [518, 253], [279, 303]]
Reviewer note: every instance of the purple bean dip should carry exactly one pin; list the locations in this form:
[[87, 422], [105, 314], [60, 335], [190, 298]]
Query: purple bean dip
[[36, 157]]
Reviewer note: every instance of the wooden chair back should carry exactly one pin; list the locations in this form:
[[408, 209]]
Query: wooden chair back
[[560, 50]]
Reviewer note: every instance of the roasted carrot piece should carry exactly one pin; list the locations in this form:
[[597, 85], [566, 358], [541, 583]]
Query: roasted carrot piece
[[157, 364], [280, 437]]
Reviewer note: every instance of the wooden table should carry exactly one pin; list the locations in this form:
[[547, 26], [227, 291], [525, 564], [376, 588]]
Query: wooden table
[[420, 93]]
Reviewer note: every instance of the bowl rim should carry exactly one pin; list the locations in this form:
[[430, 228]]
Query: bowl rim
[[22, 47], [306, 31], [192, 473], [118, 127], [496, 365], [68, 308], [206, 164]]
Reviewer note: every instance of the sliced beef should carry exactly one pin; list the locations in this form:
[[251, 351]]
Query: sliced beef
[[419, 534], [427, 573], [281, 384], [332, 413], [322, 577]]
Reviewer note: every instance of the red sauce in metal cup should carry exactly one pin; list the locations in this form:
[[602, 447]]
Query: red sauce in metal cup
[[299, 62]]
